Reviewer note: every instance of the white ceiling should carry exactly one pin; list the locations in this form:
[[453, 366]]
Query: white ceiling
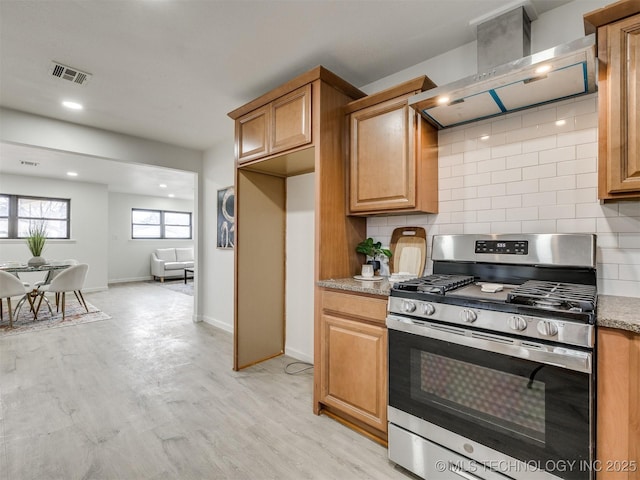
[[170, 70]]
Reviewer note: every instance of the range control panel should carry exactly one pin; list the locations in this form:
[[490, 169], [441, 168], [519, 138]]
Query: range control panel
[[509, 247]]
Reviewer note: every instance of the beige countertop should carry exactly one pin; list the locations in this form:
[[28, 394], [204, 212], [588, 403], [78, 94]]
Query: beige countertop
[[614, 312]]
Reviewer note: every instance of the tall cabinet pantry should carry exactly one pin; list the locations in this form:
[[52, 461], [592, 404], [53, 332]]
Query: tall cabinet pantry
[[292, 130]]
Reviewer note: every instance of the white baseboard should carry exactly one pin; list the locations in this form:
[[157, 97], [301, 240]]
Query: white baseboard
[[216, 323], [133, 279], [298, 355]]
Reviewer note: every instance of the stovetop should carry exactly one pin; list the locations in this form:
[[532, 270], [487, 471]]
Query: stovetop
[[558, 299]]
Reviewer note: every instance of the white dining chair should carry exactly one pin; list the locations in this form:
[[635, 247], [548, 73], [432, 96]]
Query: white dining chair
[[51, 274], [11, 286], [69, 280]]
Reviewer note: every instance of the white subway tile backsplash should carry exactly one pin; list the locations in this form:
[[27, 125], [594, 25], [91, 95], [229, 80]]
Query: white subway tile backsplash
[[578, 137], [532, 175], [507, 201], [619, 224], [451, 182], [506, 150], [464, 169], [557, 155], [586, 180], [539, 116], [523, 213], [477, 180], [464, 193], [539, 171], [583, 165], [558, 211], [565, 182], [493, 190], [539, 199], [587, 150], [628, 240], [630, 272], [477, 204], [630, 208], [451, 160], [539, 226], [477, 155], [582, 195], [526, 186], [578, 225], [523, 160], [505, 176], [477, 228], [506, 227], [539, 144]]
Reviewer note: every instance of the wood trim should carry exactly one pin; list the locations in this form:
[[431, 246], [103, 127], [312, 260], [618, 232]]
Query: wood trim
[[618, 413], [354, 424], [427, 165], [415, 85], [609, 14], [317, 73], [359, 306]]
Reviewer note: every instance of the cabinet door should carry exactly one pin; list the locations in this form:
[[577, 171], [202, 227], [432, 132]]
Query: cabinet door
[[252, 135], [383, 157], [619, 94], [291, 120], [354, 365]]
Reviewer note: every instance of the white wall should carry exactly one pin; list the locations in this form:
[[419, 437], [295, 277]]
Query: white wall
[[128, 258], [89, 230], [217, 273], [300, 238]]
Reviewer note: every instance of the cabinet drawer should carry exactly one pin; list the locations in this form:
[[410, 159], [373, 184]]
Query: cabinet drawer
[[371, 308]]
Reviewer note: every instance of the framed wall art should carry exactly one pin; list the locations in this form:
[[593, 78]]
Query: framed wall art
[[226, 218]]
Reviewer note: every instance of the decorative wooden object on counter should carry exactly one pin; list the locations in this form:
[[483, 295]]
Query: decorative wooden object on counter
[[409, 247], [618, 408], [393, 155], [351, 363], [618, 44], [294, 129]]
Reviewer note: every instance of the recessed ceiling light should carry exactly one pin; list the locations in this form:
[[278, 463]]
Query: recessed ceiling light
[[163, 185], [560, 123], [72, 174], [72, 105], [443, 100], [484, 138], [171, 195]]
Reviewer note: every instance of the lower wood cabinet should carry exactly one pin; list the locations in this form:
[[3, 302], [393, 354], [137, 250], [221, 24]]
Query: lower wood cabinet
[[618, 405], [352, 367]]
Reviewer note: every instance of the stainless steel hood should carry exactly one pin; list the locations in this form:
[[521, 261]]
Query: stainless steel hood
[[558, 73]]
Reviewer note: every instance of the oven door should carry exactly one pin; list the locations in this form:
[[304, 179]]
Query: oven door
[[531, 402]]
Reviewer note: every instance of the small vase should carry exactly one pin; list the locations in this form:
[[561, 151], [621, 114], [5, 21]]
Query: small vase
[[36, 261]]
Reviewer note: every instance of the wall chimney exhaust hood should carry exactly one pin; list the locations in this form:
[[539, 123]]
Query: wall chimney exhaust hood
[[558, 73]]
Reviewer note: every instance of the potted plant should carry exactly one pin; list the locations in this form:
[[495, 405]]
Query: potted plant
[[373, 250], [35, 241]]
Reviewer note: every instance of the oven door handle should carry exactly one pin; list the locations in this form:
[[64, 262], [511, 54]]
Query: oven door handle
[[453, 468], [556, 356]]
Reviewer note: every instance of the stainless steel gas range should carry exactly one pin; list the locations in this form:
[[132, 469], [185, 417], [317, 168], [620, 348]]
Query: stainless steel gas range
[[491, 359]]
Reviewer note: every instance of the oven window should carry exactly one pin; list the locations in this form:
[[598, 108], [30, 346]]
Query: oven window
[[469, 390]]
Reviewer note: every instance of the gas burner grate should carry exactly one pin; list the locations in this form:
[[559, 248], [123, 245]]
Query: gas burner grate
[[434, 283], [555, 296]]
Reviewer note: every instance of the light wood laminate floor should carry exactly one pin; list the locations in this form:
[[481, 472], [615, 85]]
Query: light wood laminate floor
[[148, 394]]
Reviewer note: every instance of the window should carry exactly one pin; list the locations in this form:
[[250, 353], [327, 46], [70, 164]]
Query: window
[[18, 213], [160, 224]]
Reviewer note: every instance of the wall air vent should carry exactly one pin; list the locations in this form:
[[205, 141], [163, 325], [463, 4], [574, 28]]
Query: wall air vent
[[28, 163], [69, 73]]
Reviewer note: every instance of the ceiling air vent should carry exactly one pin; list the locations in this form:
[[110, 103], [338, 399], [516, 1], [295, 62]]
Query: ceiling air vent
[[69, 73]]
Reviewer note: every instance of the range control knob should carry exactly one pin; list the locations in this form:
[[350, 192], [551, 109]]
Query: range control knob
[[428, 309], [547, 328], [468, 316], [408, 306], [517, 323]]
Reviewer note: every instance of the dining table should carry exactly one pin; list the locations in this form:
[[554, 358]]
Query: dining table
[[30, 296]]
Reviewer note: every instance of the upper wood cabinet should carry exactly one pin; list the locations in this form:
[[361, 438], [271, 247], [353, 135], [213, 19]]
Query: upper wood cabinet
[[393, 158], [281, 125], [618, 38]]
